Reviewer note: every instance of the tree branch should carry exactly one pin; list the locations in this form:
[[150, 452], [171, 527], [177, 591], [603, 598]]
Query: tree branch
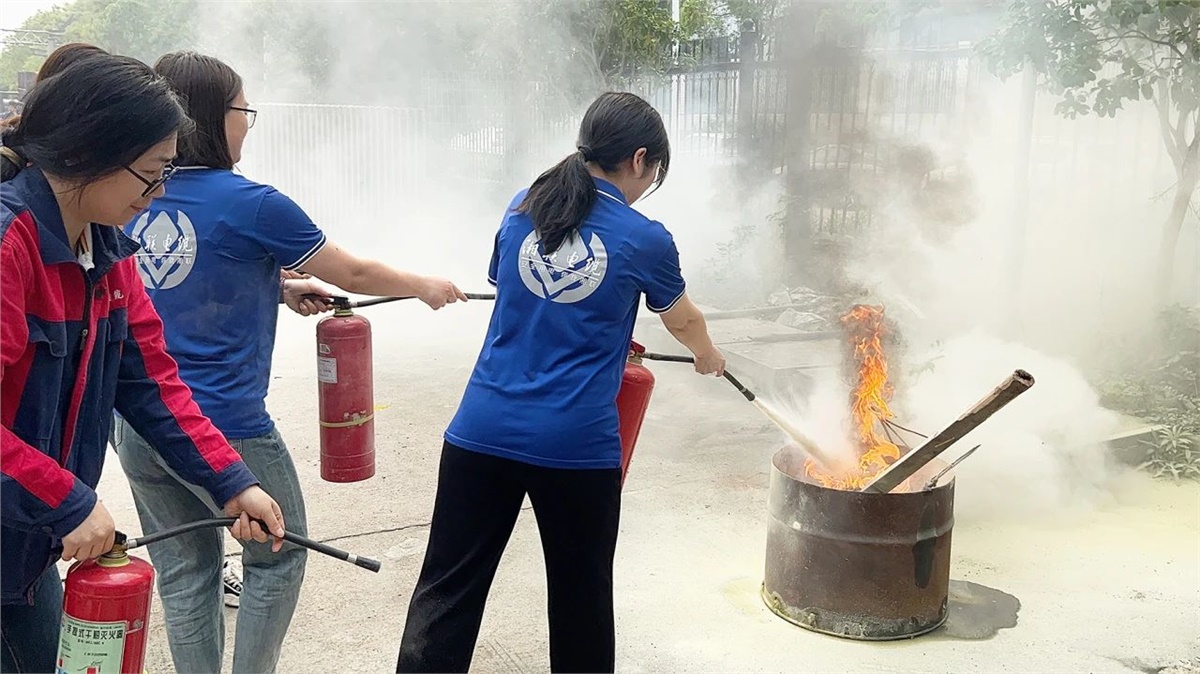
[[1194, 146], [1162, 102], [1181, 130], [1170, 45], [1100, 40]]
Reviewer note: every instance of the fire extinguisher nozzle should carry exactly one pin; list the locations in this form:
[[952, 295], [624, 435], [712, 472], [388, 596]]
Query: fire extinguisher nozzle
[[368, 564], [747, 393], [361, 562]]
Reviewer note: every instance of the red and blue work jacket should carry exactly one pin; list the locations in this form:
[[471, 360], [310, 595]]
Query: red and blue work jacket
[[76, 344]]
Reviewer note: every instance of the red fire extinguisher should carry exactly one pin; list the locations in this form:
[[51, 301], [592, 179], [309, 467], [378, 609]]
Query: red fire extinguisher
[[106, 611], [346, 396], [106, 602], [632, 402], [347, 402]]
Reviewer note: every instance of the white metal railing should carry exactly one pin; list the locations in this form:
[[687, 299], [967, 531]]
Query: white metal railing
[[334, 159]]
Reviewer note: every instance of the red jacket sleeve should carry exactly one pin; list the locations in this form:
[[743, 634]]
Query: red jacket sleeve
[[159, 406], [36, 493]]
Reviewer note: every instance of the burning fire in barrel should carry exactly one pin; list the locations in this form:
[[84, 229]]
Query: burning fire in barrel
[[863, 550]]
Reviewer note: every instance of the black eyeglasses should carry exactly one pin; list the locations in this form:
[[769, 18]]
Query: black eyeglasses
[[152, 185], [251, 115]]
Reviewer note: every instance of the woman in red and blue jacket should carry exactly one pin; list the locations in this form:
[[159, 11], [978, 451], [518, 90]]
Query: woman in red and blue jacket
[[79, 338]]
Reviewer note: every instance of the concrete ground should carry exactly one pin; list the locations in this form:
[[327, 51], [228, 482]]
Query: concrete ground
[[1113, 589]]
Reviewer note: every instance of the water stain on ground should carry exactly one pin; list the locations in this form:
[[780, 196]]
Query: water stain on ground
[[977, 612]]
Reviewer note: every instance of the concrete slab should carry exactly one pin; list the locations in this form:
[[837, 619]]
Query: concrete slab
[[774, 364], [1106, 589], [740, 330]]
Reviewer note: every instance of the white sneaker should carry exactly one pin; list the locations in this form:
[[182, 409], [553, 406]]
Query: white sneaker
[[232, 584]]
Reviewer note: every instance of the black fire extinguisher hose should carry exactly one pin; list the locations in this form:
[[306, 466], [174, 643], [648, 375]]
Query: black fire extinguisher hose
[[216, 522], [668, 358], [343, 302]]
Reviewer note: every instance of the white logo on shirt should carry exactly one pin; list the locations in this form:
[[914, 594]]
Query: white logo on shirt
[[569, 274], [168, 249]]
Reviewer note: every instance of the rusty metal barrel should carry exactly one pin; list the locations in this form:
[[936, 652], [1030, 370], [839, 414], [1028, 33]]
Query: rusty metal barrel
[[853, 564]]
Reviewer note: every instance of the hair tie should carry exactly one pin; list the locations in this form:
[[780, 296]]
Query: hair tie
[[13, 156], [585, 152]]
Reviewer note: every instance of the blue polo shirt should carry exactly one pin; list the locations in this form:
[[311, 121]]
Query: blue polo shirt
[[544, 388], [211, 253]]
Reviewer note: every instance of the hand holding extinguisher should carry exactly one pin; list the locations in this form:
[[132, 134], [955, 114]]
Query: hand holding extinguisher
[[92, 538], [259, 515], [305, 297], [106, 601]]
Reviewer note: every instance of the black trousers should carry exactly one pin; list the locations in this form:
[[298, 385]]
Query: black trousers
[[478, 500]]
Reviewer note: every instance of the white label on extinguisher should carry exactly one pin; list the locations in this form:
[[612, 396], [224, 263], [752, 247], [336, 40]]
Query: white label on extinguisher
[[326, 370], [90, 648]]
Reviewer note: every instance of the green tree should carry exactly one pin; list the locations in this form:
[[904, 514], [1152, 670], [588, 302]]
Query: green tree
[[1098, 54], [139, 28], [700, 19], [577, 47], [143, 29], [14, 58], [615, 37], [762, 14], [295, 34]]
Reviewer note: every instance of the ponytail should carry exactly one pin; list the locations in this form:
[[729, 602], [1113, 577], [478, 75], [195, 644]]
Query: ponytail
[[11, 161], [614, 128], [559, 200]]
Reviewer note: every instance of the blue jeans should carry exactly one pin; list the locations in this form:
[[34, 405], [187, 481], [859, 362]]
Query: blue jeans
[[189, 566], [30, 633]]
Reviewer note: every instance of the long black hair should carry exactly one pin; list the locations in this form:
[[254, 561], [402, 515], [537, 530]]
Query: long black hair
[[208, 87], [94, 118], [614, 127]]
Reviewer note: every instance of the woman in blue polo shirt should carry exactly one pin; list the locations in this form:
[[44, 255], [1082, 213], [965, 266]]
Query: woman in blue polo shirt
[[211, 255], [571, 262]]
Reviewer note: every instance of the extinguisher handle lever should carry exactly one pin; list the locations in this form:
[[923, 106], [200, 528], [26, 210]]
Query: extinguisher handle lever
[[336, 301]]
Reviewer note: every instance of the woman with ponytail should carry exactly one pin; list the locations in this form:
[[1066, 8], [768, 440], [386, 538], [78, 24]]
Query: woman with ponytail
[[571, 263]]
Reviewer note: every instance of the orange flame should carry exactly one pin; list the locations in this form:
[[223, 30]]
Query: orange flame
[[868, 403]]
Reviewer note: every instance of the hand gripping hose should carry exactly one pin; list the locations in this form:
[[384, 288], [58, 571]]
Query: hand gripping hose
[[127, 543], [668, 358]]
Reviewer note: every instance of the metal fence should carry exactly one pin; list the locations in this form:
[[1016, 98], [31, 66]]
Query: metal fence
[[698, 108], [865, 112], [874, 120], [331, 157]]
